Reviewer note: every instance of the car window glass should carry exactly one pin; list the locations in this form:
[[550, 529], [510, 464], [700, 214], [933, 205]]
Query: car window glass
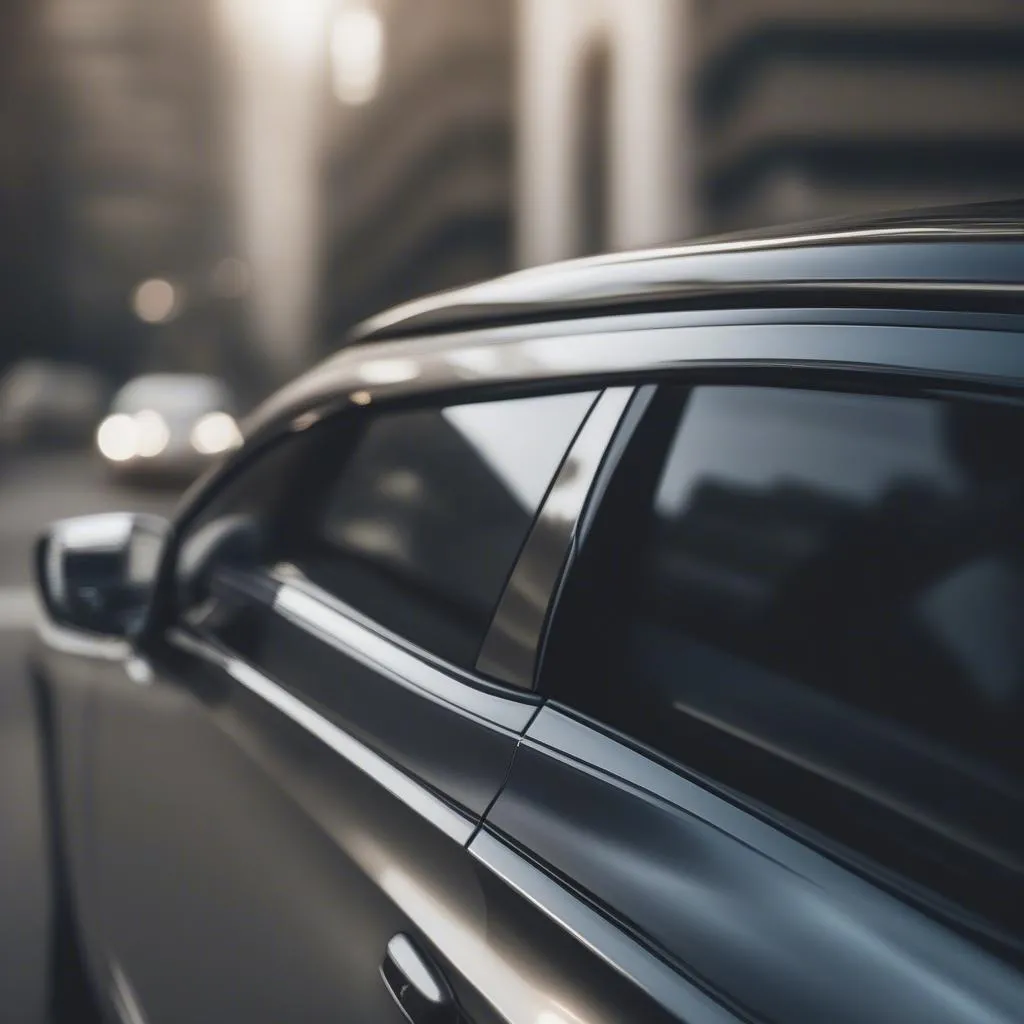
[[248, 522], [423, 524], [413, 518], [818, 599]]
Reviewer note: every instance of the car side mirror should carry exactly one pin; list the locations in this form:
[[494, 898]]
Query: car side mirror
[[95, 574]]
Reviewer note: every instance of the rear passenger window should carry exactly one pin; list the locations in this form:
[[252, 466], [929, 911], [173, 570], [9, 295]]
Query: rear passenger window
[[817, 599], [422, 525]]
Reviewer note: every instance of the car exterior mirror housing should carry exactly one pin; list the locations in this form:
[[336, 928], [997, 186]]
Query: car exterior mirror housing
[[95, 574]]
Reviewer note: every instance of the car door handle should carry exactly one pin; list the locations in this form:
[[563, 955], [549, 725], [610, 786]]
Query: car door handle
[[415, 984]]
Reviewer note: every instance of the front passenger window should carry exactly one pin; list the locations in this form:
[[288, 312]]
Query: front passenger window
[[413, 518], [422, 525]]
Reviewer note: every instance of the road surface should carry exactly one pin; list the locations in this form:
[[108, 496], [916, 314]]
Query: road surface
[[33, 491]]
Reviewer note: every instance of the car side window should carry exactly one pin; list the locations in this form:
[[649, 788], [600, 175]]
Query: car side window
[[244, 524], [422, 525], [817, 599], [413, 518]]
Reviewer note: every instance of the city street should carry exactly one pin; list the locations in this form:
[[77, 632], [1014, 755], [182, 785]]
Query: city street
[[33, 490]]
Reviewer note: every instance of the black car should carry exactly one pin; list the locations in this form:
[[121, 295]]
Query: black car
[[639, 639]]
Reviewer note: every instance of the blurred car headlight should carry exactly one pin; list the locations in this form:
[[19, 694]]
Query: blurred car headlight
[[152, 435], [118, 438], [214, 433]]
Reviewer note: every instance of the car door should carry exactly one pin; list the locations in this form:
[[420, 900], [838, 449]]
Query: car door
[[271, 803], [778, 773]]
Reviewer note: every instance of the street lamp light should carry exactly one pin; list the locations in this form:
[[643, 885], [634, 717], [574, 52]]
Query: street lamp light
[[357, 53], [288, 29]]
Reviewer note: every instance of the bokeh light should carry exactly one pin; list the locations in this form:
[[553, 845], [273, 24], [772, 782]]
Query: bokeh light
[[357, 54], [155, 300], [117, 438], [214, 433]]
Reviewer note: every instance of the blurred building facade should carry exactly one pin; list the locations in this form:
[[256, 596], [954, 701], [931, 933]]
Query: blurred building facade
[[603, 129], [511, 134], [418, 162], [30, 307], [805, 109], [731, 114], [290, 167], [141, 180]]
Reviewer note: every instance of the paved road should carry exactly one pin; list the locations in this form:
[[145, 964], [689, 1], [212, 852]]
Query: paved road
[[33, 491], [24, 874]]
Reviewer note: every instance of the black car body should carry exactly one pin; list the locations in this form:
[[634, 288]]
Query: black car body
[[632, 640]]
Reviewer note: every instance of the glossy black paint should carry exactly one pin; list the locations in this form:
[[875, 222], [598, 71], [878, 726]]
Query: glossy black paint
[[257, 868], [761, 613], [745, 912], [420, 991], [245, 841], [930, 258], [248, 682], [455, 739]]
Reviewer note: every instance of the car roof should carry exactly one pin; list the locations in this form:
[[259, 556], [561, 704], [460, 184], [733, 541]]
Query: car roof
[[932, 265], [977, 247]]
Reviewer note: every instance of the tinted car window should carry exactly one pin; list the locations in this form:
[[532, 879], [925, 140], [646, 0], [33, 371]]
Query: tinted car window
[[247, 527], [424, 521], [818, 599], [413, 518]]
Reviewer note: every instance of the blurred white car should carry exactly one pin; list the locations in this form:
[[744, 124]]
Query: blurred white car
[[168, 426]]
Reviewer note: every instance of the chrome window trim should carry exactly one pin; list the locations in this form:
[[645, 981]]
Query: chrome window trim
[[559, 733], [562, 733], [639, 344], [325, 617], [510, 648], [565, 735], [403, 787], [982, 348], [123, 997]]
